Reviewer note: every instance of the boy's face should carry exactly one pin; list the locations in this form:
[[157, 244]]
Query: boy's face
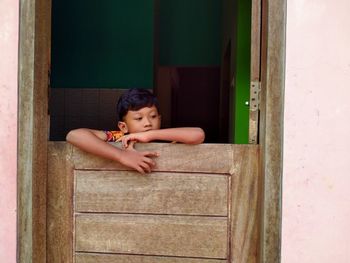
[[144, 119]]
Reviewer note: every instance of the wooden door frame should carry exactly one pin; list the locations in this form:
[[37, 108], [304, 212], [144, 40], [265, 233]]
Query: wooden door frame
[[33, 65], [274, 15], [33, 128]]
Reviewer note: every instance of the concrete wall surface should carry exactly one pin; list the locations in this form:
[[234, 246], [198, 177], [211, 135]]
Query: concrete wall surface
[[9, 11], [316, 178]]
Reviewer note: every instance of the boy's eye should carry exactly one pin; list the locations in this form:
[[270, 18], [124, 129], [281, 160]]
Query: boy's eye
[[138, 118]]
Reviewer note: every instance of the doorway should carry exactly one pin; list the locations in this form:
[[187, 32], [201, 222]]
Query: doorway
[[177, 48], [33, 128]]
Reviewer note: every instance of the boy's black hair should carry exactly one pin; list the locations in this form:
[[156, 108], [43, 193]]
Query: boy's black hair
[[135, 99]]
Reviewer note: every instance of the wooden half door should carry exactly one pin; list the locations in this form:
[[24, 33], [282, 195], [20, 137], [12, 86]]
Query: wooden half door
[[199, 205]]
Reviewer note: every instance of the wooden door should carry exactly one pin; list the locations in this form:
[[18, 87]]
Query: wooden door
[[199, 205], [35, 241], [255, 72]]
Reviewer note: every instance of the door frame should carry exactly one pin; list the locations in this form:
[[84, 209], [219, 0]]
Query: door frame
[[273, 48], [33, 65], [33, 122]]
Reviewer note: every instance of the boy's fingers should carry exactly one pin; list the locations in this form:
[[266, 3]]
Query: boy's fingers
[[140, 170], [151, 154], [125, 143], [129, 144], [146, 167], [149, 162]]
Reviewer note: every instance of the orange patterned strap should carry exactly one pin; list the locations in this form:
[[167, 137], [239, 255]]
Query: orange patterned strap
[[113, 136]]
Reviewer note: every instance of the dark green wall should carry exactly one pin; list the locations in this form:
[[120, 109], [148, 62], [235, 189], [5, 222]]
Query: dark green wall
[[111, 44], [102, 44], [189, 32]]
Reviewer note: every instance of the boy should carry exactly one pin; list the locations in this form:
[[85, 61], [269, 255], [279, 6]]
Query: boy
[[139, 121]]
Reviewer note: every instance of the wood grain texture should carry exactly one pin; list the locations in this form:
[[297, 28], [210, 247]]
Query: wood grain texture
[[255, 67], [25, 131], [105, 258], [60, 204], [157, 235], [157, 193], [255, 40], [245, 205], [40, 128], [34, 44], [271, 125], [205, 158], [182, 236]]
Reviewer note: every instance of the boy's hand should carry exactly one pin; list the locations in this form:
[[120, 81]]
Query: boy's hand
[[140, 161], [133, 137]]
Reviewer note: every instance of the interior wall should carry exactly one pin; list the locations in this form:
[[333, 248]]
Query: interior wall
[[188, 65], [97, 48], [97, 51], [107, 45], [9, 17], [112, 45], [73, 108], [316, 210], [189, 32]]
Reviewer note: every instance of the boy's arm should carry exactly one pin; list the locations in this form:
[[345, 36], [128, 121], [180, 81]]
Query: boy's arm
[[93, 141], [186, 135]]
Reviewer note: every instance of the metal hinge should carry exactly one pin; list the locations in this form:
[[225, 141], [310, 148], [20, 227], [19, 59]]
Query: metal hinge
[[254, 105], [255, 89]]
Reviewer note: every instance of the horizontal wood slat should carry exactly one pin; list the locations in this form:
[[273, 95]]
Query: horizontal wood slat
[[103, 258], [182, 236], [206, 158], [157, 193]]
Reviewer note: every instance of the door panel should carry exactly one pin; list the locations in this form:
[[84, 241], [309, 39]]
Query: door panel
[[174, 158], [157, 193], [199, 205], [108, 258], [180, 236]]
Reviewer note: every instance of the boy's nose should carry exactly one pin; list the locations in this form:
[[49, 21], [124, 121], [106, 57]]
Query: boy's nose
[[147, 122]]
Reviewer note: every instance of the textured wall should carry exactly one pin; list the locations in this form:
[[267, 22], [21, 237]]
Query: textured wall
[[107, 45], [316, 200], [189, 32], [8, 122]]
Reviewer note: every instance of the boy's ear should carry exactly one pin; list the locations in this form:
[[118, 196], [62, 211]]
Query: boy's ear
[[122, 126]]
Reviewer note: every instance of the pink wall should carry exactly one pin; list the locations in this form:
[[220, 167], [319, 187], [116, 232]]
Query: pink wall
[[9, 10], [316, 178]]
